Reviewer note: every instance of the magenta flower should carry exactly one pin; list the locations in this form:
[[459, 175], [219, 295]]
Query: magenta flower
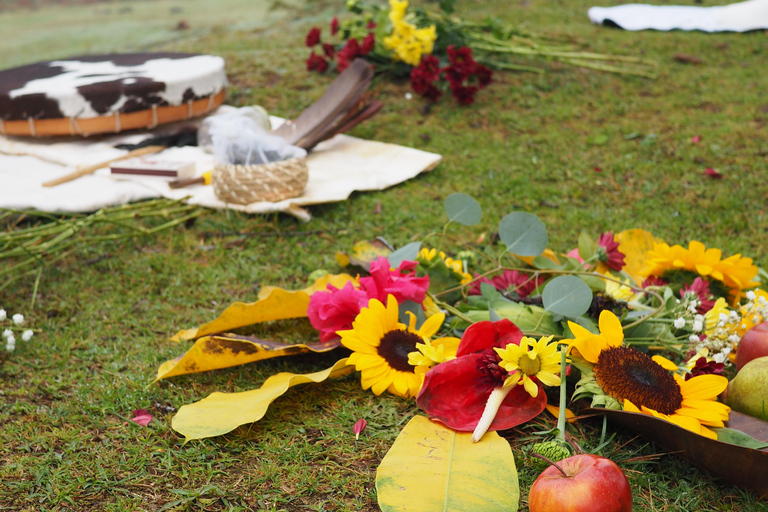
[[519, 282], [701, 288], [608, 252], [334, 310], [456, 392], [400, 282]]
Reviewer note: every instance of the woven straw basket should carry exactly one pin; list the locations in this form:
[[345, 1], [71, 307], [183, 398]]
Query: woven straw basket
[[275, 181]]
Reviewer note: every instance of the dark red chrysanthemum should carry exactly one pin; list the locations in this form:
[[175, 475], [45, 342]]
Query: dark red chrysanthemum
[[371, 25], [654, 281], [484, 75], [465, 95], [334, 26], [608, 252], [367, 44], [346, 55], [329, 50], [424, 76], [313, 37], [455, 392], [312, 61], [704, 367], [520, 282], [701, 288]]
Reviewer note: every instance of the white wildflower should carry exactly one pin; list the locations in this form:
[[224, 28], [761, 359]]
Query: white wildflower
[[751, 295], [7, 333], [693, 338], [679, 323], [27, 335], [408, 96], [18, 319], [719, 357], [10, 346], [3, 314]]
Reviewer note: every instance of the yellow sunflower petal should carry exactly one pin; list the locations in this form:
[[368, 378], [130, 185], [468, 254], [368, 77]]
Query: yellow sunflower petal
[[630, 407], [704, 431], [382, 383], [401, 384], [610, 329], [665, 363], [366, 361], [704, 416], [431, 325], [703, 387]]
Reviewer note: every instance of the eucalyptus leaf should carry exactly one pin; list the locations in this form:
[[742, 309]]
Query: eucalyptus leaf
[[463, 209], [544, 263], [595, 283], [587, 246], [489, 292], [416, 309], [408, 252], [492, 315], [567, 295], [523, 233], [731, 436]]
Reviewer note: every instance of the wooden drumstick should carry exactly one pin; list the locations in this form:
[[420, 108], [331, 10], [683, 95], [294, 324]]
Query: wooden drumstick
[[148, 150]]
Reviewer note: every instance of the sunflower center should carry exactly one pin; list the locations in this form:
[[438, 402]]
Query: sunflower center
[[395, 346], [529, 366], [489, 373], [627, 374]]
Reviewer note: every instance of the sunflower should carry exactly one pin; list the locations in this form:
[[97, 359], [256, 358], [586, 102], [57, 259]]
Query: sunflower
[[380, 346], [643, 385], [734, 273], [530, 359]]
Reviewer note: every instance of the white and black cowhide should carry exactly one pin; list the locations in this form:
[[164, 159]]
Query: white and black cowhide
[[97, 85]]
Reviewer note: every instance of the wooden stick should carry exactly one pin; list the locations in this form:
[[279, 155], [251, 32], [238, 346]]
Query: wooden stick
[[148, 150]]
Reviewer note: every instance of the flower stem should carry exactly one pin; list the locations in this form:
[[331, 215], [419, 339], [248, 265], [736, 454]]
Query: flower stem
[[550, 462], [561, 412], [489, 413]]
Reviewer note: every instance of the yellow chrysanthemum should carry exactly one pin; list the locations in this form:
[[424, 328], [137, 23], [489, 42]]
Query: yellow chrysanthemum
[[430, 353], [531, 358], [735, 272], [409, 43], [456, 265], [635, 244], [618, 291], [645, 385], [381, 345], [397, 10], [712, 317]]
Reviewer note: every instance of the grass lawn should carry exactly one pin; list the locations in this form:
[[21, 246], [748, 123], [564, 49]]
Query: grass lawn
[[583, 150]]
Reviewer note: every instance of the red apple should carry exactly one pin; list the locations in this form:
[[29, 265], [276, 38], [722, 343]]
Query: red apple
[[753, 344], [590, 484]]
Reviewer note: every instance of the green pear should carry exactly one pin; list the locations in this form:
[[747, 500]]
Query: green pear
[[748, 391]]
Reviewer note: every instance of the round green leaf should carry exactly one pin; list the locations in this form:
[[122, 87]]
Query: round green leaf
[[568, 296], [523, 234], [463, 209], [406, 253]]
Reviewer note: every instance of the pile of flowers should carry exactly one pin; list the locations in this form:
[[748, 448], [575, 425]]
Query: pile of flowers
[[636, 325], [439, 51]]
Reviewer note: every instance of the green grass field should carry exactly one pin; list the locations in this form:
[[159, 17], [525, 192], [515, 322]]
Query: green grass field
[[531, 143]]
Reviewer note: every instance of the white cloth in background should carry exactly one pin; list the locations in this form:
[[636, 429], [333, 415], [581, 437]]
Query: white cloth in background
[[337, 167], [739, 17]]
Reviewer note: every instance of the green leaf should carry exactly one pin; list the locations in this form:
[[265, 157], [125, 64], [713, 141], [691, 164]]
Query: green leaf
[[587, 246], [431, 468], [406, 253], [731, 436], [523, 234], [463, 209], [568, 296], [544, 263], [416, 309], [493, 316], [220, 413]]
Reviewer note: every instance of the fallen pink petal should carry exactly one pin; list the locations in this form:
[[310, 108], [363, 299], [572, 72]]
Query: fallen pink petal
[[359, 427], [142, 417], [696, 139], [712, 173]]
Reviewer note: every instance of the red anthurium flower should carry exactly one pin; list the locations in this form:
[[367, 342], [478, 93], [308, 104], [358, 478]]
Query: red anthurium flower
[[456, 392]]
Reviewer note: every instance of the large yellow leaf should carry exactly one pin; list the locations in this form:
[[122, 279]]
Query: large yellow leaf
[[433, 468], [225, 351], [279, 305], [635, 245], [220, 413], [320, 284]]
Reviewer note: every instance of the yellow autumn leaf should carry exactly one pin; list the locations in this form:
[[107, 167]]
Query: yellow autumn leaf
[[320, 284], [225, 351], [364, 253], [274, 304], [635, 244], [433, 468], [220, 413]]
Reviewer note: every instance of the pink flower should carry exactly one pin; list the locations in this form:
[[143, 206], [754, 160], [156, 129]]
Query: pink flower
[[712, 173], [400, 282], [519, 282], [701, 288], [334, 310], [654, 281], [609, 252]]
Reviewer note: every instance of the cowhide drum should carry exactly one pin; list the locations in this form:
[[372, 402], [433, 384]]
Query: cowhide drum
[[108, 93]]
